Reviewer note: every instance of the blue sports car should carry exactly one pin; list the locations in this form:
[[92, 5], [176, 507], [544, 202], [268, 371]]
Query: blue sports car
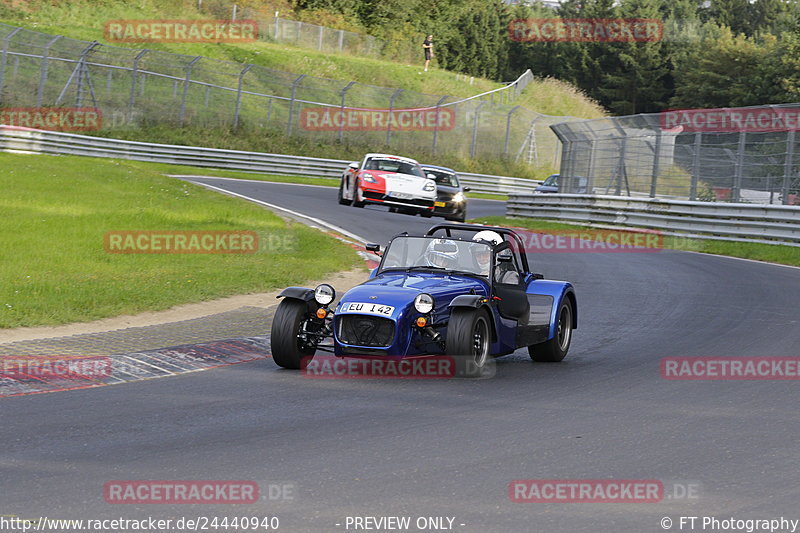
[[459, 290]]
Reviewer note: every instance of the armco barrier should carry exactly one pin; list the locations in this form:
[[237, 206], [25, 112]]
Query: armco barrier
[[707, 220], [58, 143]]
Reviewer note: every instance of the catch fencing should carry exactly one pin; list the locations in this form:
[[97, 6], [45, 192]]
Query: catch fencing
[[22, 140], [140, 87], [747, 155]]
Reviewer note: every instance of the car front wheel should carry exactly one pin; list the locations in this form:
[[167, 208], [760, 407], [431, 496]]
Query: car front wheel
[[288, 349], [356, 194], [555, 349], [342, 199], [469, 337]]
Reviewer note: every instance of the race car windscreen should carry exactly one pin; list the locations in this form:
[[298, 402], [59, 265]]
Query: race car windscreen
[[437, 253], [394, 165], [443, 177]]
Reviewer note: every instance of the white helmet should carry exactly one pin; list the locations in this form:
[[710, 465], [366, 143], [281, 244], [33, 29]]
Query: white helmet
[[489, 236], [442, 253]]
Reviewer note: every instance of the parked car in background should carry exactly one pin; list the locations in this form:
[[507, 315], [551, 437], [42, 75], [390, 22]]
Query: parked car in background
[[450, 200], [550, 185]]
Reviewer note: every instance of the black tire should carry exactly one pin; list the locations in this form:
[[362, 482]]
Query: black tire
[[555, 349], [471, 353], [342, 200], [426, 213], [459, 218], [285, 345], [355, 202]]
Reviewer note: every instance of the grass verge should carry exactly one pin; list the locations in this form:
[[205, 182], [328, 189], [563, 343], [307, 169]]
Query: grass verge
[[55, 267], [771, 253]]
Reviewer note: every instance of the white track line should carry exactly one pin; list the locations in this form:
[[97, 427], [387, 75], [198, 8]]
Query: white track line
[[317, 221], [186, 176]]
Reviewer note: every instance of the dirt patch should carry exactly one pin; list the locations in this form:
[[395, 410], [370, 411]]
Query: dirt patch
[[342, 281]]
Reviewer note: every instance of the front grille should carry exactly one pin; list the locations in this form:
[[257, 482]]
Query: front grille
[[363, 330]]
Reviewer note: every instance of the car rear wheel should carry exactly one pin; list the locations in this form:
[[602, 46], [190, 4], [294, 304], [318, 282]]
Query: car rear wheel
[[342, 199], [468, 337], [288, 350], [555, 349]]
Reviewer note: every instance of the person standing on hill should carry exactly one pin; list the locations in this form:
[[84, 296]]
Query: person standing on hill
[[427, 46]]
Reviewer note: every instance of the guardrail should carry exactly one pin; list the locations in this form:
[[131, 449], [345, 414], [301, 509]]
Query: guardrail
[[706, 220], [16, 139]]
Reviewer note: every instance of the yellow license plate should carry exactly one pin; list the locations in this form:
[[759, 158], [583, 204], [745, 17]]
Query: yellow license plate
[[438, 204]]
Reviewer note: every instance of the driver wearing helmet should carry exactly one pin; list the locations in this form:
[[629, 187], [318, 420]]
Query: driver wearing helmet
[[504, 272], [441, 253]]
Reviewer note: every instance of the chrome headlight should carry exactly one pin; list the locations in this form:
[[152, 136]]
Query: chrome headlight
[[423, 303], [458, 197], [324, 294], [369, 178], [429, 186]]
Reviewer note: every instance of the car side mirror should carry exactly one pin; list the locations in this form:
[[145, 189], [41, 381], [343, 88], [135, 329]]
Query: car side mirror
[[374, 248], [431, 177], [353, 165], [537, 275], [467, 189]]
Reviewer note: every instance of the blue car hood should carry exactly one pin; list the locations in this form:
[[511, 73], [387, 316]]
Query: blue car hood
[[398, 289]]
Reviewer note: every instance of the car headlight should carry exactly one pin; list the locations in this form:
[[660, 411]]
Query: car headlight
[[324, 294], [430, 186], [423, 303], [458, 197], [369, 178]]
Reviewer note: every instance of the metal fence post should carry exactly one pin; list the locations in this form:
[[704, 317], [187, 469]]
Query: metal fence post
[[656, 165], [43, 71], [291, 103], [341, 116], [736, 193], [186, 86], [239, 96], [6, 42], [298, 27], [508, 129], [277, 27], [436, 126], [134, 79], [341, 39], [698, 145], [621, 165], [83, 69], [319, 39], [787, 166], [391, 114], [475, 129]]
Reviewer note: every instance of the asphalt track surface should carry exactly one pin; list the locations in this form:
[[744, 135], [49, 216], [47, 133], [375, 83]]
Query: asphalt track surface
[[451, 447]]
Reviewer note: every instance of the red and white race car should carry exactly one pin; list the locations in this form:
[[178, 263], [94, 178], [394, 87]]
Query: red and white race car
[[390, 180]]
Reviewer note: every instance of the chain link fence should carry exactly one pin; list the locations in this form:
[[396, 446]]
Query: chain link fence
[[730, 155], [134, 87]]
